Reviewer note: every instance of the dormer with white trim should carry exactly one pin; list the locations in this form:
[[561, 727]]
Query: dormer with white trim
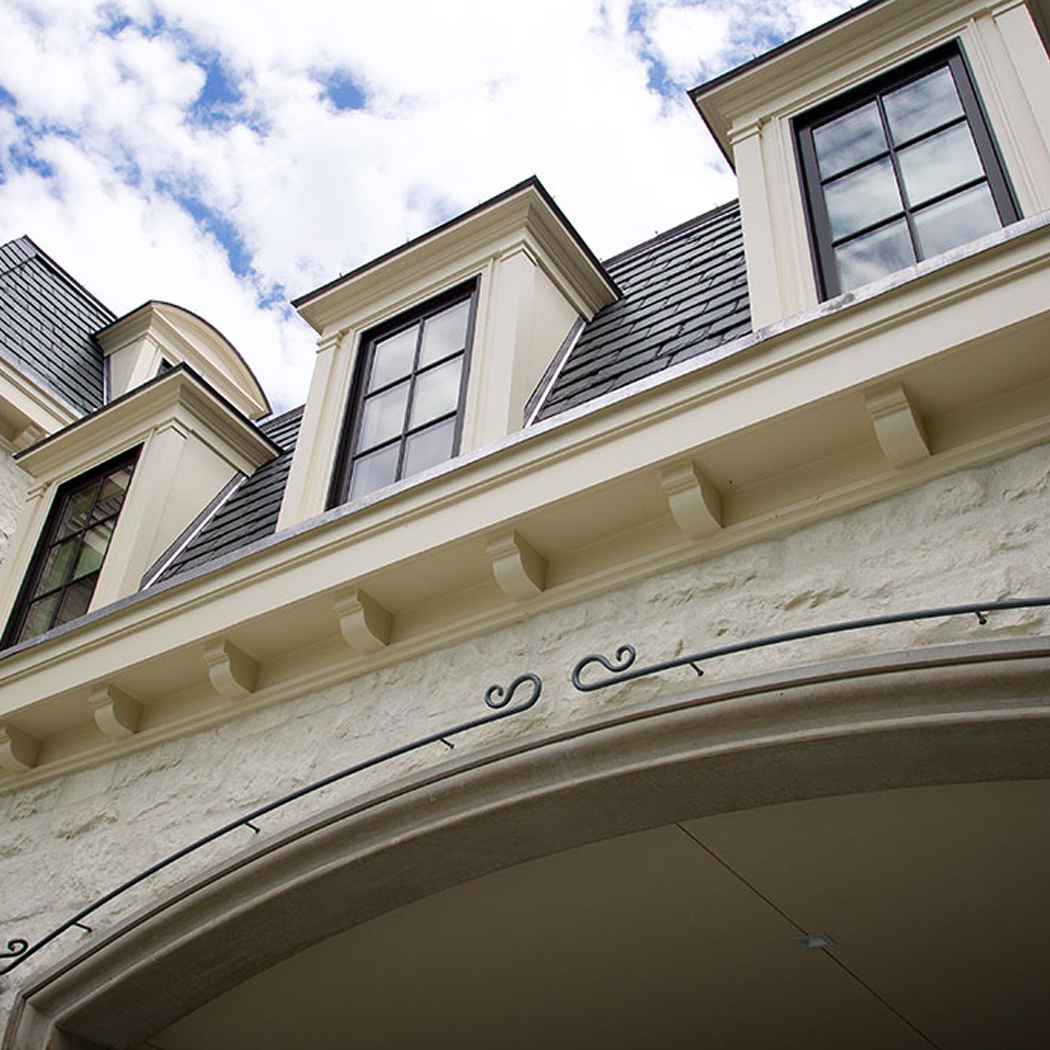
[[976, 159], [435, 348], [157, 336]]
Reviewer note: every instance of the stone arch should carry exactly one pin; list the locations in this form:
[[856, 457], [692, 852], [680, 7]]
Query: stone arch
[[949, 715]]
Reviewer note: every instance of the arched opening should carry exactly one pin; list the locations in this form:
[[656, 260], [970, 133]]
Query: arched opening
[[648, 871]]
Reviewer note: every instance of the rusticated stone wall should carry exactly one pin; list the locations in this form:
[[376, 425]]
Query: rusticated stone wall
[[981, 534]]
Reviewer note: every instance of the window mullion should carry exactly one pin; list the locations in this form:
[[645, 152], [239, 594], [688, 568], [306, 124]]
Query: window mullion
[[899, 176], [411, 399], [81, 537]]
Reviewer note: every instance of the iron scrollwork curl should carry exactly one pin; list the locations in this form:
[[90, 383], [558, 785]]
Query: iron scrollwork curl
[[623, 669], [621, 662], [16, 947], [502, 703], [497, 698]]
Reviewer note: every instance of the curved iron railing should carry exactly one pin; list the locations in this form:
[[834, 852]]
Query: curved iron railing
[[498, 699], [622, 669]]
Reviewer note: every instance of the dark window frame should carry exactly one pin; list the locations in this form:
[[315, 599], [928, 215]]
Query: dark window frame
[[950, 56], [27, 592], [467, 291]]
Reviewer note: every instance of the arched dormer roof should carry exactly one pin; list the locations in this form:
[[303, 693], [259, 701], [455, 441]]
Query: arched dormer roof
[[160, 334]]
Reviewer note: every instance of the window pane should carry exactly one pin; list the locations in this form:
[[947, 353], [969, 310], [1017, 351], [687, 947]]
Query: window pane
[[384, 416], [38, 620], [374, 471], [939, 163], [76, 600], [924, 104], [96, 542], [848, 140], [959, 219], [863, 198], [874, 255], [445, 333], [392, 358], [437, 392], [110, 499], [429, 447], [56, 565], [77, 508]]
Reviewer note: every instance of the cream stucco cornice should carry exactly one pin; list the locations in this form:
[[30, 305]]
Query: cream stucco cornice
[[790, 425], [525, 213], [122, 423]]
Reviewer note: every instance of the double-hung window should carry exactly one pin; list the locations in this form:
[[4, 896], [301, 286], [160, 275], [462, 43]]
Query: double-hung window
[[65, 568], [405, 411], [899, 170]]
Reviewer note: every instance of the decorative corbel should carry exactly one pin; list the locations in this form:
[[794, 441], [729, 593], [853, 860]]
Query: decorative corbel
[[233, 672], [28, 435], [520, 571], [116, 714], [364, 624], [898, 428], [19, 750], [694, 502]]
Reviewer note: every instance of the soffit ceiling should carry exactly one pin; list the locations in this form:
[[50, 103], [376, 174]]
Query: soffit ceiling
[[684, 935]]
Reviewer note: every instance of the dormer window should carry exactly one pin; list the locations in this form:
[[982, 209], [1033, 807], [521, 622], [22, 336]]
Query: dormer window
[[406, 408], [69, 557], [901, 169], [435, 348]]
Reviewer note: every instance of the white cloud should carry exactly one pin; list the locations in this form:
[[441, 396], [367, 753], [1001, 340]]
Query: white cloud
[[464, 98], [688, 39]]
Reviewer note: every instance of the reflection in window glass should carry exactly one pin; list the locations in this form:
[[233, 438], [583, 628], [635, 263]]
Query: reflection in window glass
[[862, 199], [445, 333], [71, 552], [437, 392], [922, 105], [429, 447], [867, 258], [384, 416], [406, 418], [76, 599], [900, 170], [939, 163], [374, 471], [849, 140], [392, 359], [957, 220]]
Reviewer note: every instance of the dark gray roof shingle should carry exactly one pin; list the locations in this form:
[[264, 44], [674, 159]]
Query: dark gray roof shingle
[[251, 512], [684, 293], [46, 323]]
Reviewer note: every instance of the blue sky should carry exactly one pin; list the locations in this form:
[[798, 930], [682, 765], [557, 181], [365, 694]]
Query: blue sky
[[230, 156]]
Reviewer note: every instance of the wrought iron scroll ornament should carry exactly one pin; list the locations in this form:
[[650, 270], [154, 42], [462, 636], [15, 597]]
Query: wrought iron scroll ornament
[[521, 694], [621, 667]]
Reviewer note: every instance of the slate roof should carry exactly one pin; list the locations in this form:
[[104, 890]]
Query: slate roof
[[684, 293], [46, 323], [251, 512]]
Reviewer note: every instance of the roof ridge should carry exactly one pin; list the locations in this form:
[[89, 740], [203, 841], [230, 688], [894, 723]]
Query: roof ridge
[[671, 233], [271, 420], [60, 271]]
